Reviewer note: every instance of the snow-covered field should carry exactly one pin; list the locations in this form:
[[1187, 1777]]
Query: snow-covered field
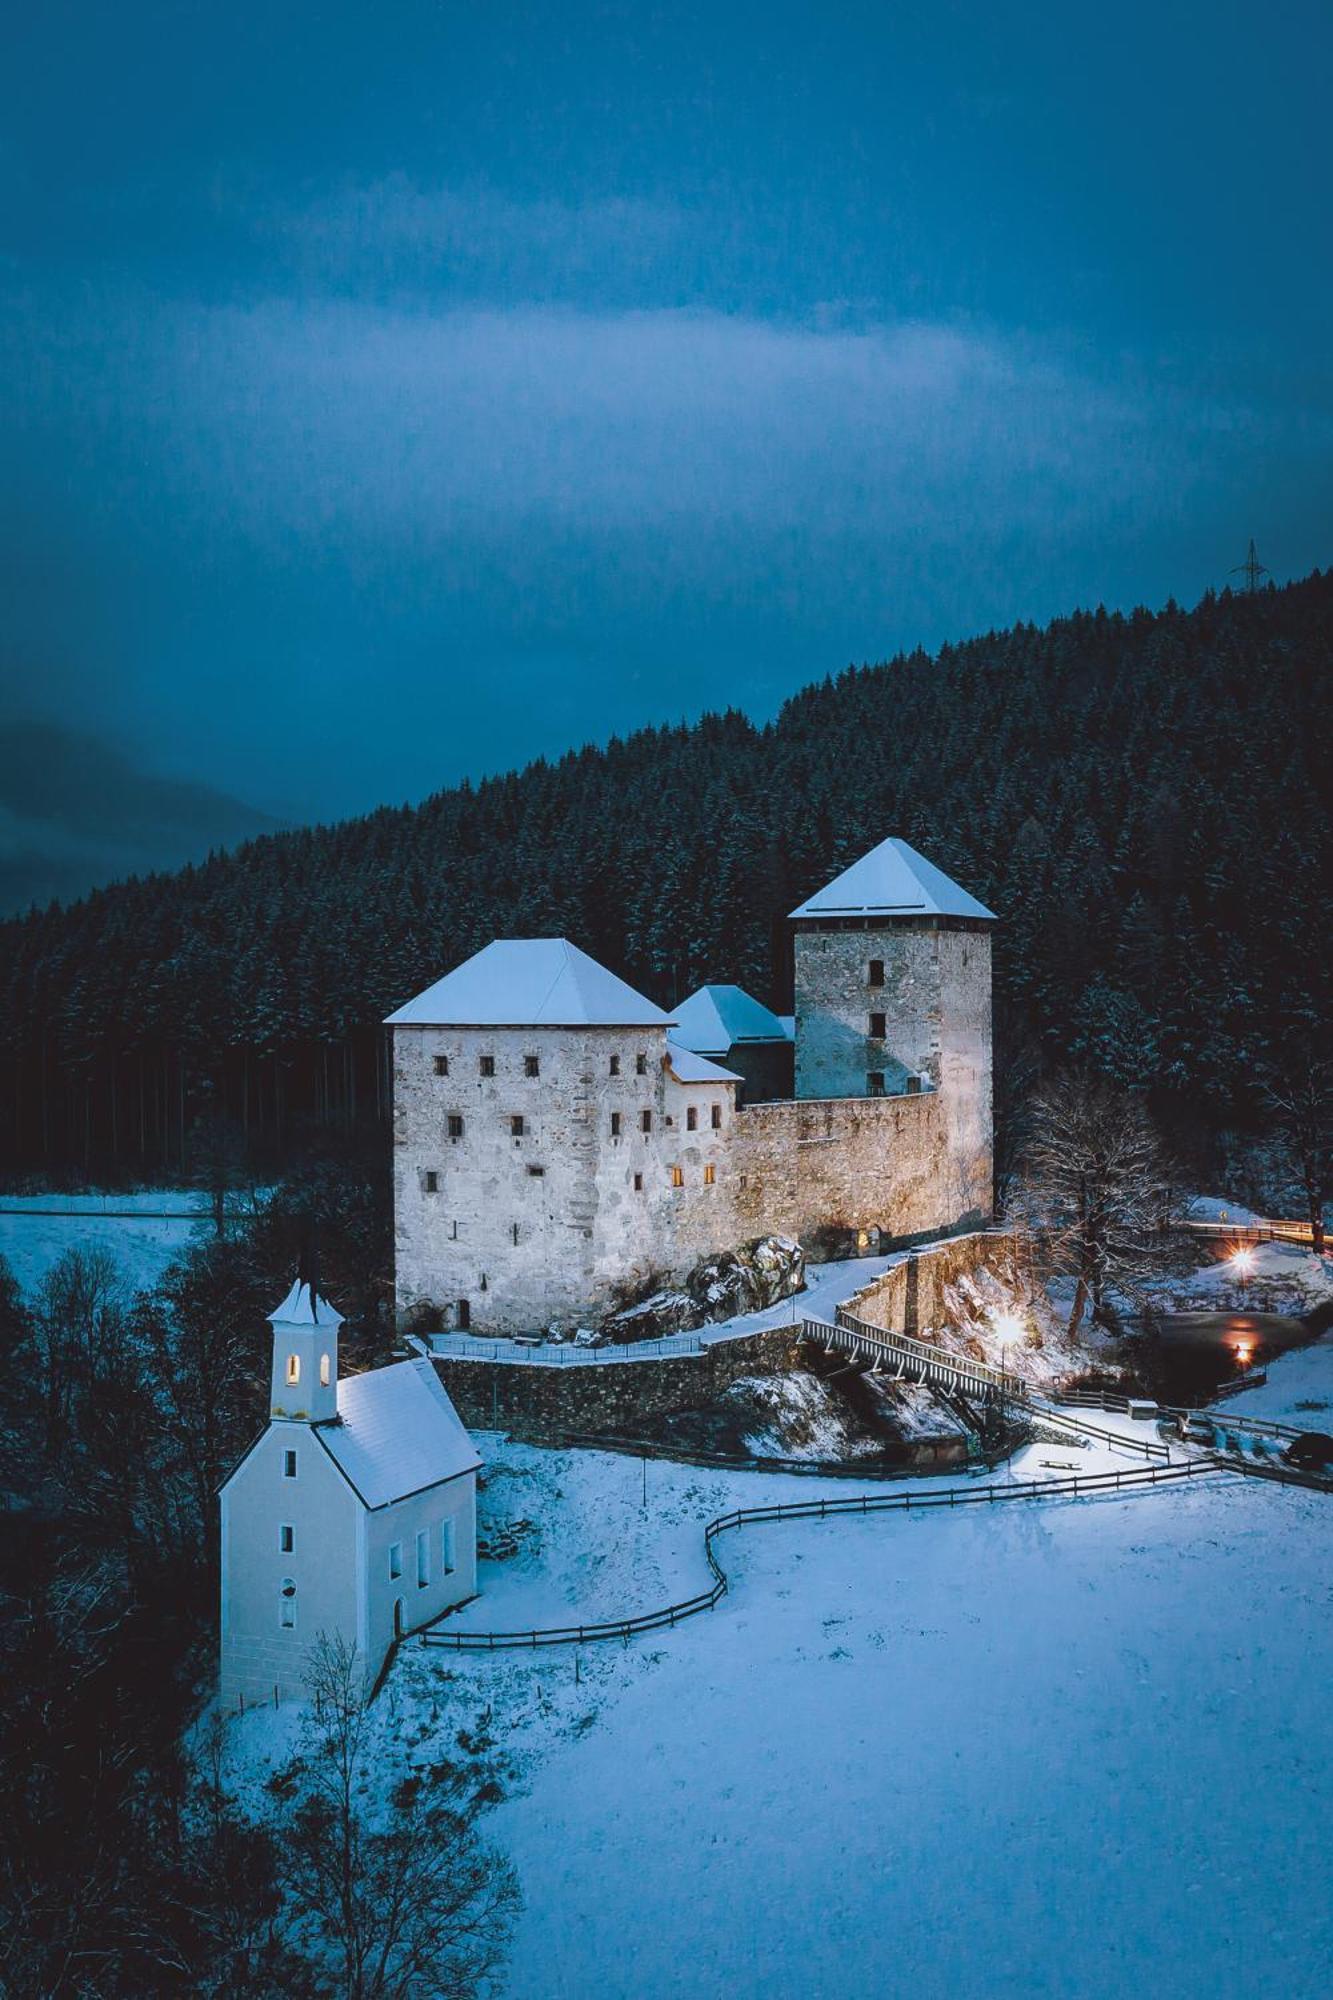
[[143, 1231], [1049, 1749]]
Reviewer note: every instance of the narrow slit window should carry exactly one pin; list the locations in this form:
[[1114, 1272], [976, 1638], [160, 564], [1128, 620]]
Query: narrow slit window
[[638, 1183], [692, 1118], [286, 1540], [646, 1121], [423, 1559], [289, 1465], [325, 1371], [710, 1174], [293, 1370], [449, 1546], [395, 1560], [615, 1066], [287, 1603], [677, 1177], [717, 1117], [615, 1124], [640, 1065]]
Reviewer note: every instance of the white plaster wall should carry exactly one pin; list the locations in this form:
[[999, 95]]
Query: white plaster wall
[[454, 1499], [257, 1650]]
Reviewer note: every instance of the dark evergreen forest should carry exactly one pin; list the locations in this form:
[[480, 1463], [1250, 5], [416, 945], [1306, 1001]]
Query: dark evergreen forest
[[1142, 799]]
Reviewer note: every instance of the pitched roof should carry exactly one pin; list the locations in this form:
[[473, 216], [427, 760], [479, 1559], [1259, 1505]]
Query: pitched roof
[[716, 1017], [530, 983], [296, 1309], [689, 1067], [893, 880], [397, 1432]]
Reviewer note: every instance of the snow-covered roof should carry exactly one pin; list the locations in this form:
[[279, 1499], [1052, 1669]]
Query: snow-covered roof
[[296, 1309], [687, 1066], [716, 1017], [530, 983], [397, 1432], [893, 880]]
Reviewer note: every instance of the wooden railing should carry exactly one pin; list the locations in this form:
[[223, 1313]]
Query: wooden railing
[[996, 1493], [902, 1354]]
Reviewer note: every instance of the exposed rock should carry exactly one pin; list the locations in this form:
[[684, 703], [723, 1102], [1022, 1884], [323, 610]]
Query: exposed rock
[[745, 1279]]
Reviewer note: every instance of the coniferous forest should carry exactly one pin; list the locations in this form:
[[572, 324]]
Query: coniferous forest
[[1142, 799]]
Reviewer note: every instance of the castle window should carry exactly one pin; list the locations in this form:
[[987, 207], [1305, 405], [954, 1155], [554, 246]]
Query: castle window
[[876, 972], [487, 1065], [640, 1065], [717, 1117], [441, 1065], [877, 1027], [293, 1370], [692, 1119], [638, 1183], [531, 1066], [449, 1546], [289, 1465], [423, 1558], [516, 1127], [395, 1560], [455, 1125], [465, 1312], [513, 1232], [536, 1171], [875, 1083], [913, 1086], [645, 1121], [710, 1174], [432, 1181], [325, 1371], [615, 1124], [615, 1066], [453, 1232], [287, 1603], [677, 1177], [286, 1540]]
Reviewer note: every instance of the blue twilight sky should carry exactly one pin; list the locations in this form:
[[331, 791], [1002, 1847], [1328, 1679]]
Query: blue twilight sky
[[391, 393]]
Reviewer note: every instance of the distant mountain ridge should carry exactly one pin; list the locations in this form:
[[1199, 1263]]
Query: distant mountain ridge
[[1141, 799], [75, 813]]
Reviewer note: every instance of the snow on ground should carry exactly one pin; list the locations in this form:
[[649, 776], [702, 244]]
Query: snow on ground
[[1218, 1208], [1283, 1278], [143, 1231], [803, 1418]]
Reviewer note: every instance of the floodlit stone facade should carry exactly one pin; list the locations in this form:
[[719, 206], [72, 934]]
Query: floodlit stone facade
[[546, 1173]]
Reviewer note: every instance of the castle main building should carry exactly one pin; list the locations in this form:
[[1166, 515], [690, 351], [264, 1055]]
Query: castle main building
[[561, 1143]]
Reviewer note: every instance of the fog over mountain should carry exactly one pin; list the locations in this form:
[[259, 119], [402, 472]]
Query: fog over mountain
[[77, 812]]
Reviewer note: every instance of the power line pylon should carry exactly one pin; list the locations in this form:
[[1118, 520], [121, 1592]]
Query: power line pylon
[[1251, 569]]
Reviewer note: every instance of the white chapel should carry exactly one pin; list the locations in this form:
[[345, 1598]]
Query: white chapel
[[353, 1514]]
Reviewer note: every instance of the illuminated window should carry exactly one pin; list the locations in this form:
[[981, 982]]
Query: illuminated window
[[691, 1119], [441, 1065], [877, 972], [293, 1370], [325, 1371], [710, 1174], [677, 1177], [877, 1026]]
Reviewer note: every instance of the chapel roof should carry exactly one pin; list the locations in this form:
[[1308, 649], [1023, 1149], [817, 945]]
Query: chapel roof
[[530, 983], [893, 880], [397, 1432]]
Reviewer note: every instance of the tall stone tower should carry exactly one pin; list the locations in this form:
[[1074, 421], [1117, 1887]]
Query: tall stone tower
[[893, 997]]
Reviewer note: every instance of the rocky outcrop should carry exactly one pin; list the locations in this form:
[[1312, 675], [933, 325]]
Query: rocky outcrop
[[751, 1276]]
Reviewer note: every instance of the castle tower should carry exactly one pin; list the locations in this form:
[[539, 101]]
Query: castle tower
[[893, 998], [305, 1357]]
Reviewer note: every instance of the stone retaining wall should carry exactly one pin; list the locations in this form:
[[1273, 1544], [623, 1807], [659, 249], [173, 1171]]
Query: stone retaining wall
[[909, 1298]]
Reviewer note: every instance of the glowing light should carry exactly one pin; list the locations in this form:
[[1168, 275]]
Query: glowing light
[[1244, 1353], [1008, 1325], [1243, 1263]]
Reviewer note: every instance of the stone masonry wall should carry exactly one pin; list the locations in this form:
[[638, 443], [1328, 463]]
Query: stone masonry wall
[[853, 1163], [909, 1298], [835, 1051]]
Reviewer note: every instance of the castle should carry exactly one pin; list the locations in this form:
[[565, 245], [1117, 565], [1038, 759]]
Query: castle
[[560, 1142]]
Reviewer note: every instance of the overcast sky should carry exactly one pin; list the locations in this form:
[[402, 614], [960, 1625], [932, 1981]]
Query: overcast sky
[[393, 393]]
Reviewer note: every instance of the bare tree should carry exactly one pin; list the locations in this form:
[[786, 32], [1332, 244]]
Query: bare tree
[[1096, 1187], [1300, 1099], [414, 1904]]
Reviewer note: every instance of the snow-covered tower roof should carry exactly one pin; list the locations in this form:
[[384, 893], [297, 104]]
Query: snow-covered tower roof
[[530, 983], [893, 880], [717, 1018]]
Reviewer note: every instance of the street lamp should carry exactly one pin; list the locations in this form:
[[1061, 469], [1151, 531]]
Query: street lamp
[[1243, 1265]]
